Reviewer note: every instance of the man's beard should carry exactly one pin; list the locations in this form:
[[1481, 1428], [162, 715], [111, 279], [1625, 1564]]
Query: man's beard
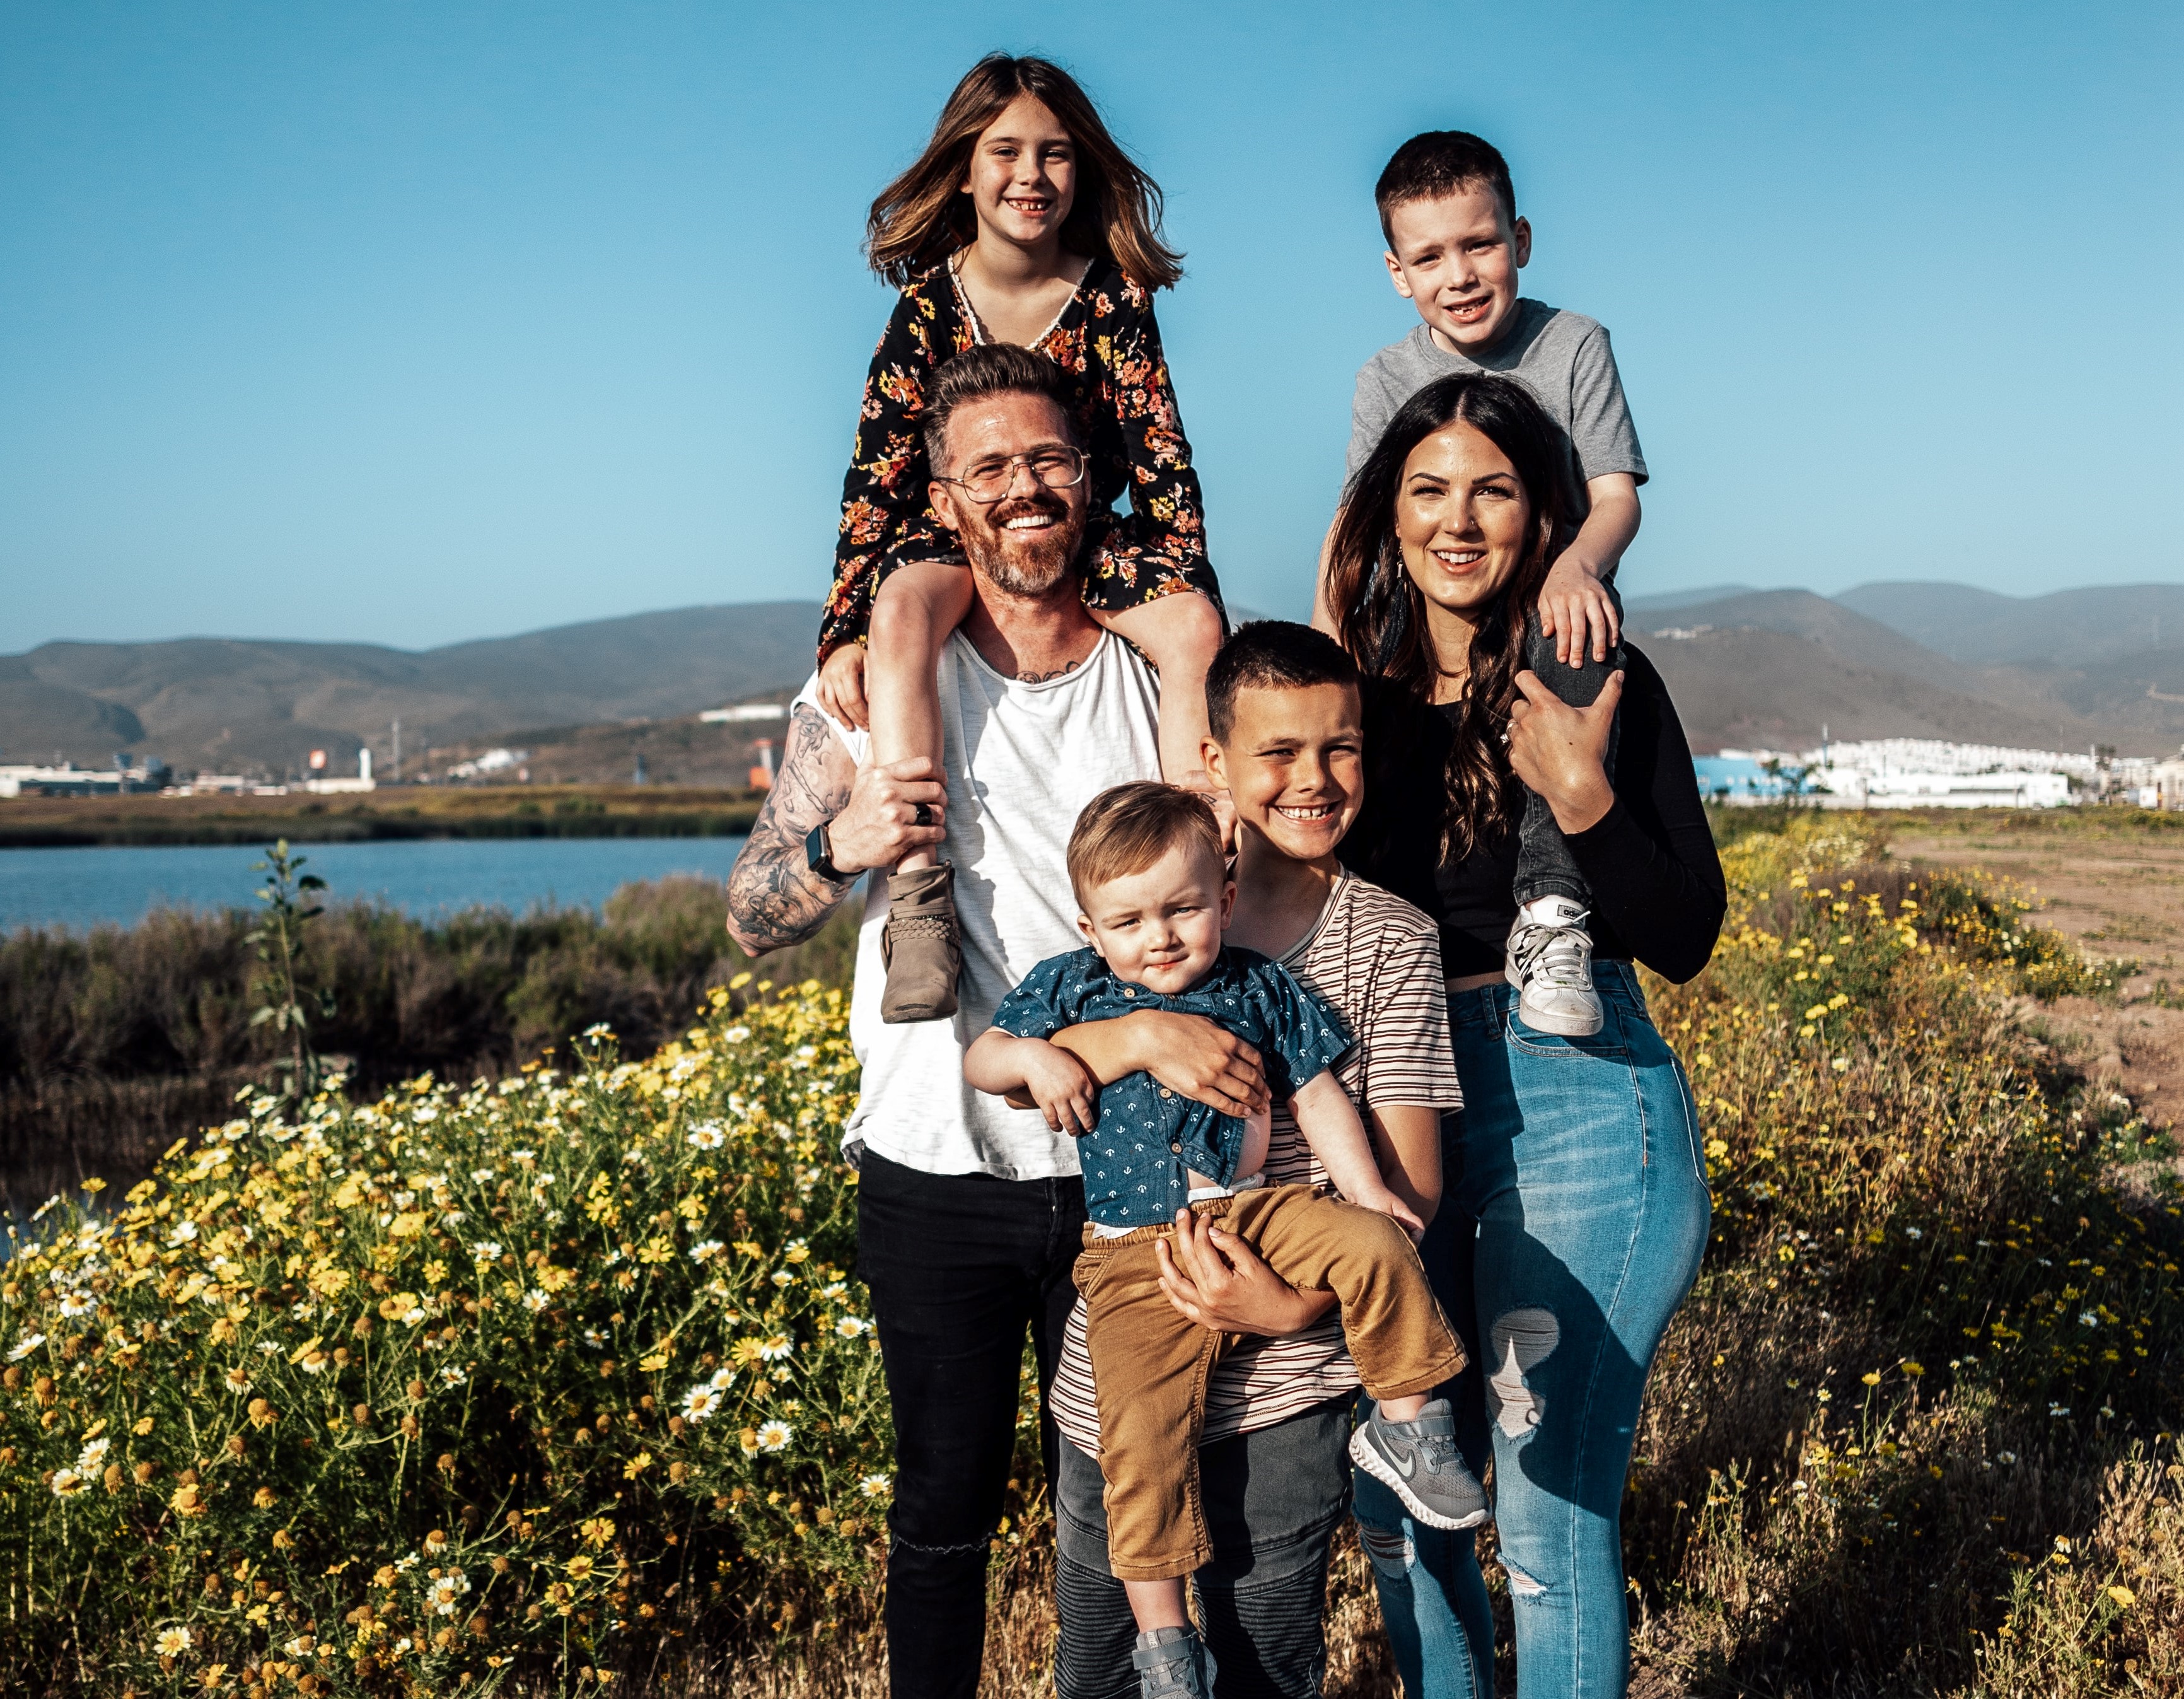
[[1026, 563]]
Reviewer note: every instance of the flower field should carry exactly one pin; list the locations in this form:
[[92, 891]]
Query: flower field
[[420, 1394], [563, 1382]]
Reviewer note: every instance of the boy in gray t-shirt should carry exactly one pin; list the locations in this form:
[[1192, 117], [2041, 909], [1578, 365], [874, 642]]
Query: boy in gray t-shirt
[[1455, 245]]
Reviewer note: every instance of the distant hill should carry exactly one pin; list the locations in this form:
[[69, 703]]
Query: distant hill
[[1747, 686], [1642, 608], [2070, 629], [1765, 666], [230, 703]]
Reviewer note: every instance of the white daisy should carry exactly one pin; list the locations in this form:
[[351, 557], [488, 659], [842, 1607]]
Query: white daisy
[[773, 1436]]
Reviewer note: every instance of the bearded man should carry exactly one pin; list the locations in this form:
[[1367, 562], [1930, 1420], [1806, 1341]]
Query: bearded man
[[971, 1213]]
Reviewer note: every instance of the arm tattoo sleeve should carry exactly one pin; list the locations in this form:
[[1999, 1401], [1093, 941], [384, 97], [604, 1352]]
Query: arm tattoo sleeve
[[774, 898]]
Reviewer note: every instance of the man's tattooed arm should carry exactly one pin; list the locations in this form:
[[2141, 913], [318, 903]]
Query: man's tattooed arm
[[774, 898]]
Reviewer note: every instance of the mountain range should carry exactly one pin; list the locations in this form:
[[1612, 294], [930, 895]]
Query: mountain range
[[2103, 664], [231, 704]]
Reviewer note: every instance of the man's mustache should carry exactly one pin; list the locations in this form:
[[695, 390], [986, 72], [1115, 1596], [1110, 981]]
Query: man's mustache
[[1018, 508]]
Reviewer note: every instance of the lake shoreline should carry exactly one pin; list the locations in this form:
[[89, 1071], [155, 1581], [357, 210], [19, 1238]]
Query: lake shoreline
[[405, 813]]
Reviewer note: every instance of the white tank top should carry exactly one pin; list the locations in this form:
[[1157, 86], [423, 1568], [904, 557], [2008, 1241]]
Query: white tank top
[[1021, 760]]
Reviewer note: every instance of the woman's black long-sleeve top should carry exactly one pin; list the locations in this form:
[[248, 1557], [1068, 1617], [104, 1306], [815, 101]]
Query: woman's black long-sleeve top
[[1657, 895]]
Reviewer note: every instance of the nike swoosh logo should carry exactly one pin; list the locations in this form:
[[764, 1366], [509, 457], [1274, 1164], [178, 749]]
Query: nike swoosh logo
[[1407, 1465]]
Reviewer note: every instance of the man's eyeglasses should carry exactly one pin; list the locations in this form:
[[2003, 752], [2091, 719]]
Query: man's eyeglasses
[[986, 481]]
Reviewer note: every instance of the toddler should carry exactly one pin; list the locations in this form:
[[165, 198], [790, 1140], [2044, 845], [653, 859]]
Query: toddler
[[1146, 865]]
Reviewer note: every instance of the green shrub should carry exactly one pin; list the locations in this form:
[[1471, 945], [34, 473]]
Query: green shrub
[[455, 1384]]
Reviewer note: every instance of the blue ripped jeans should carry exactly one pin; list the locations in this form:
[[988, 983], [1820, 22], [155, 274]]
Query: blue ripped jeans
[[1574, 1213]]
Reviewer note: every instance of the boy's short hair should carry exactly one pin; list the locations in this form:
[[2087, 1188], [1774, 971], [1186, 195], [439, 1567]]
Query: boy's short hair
[[991, 368], [1270, 655], [1438, 163], [1127, 828]]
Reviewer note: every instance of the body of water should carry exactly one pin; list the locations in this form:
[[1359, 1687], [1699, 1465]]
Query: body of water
[[1736, 778], [82, 888]]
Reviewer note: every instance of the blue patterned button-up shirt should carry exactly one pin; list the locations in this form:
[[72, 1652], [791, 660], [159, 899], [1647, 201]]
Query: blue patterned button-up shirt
[[1137, 1159]]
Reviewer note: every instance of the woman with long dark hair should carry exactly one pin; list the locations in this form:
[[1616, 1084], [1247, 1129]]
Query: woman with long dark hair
[[1574, 1204], [1023, 221]]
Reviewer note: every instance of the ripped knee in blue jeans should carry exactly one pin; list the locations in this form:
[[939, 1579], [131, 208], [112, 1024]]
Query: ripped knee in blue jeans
[[1520, 1341], [1390, 1550]]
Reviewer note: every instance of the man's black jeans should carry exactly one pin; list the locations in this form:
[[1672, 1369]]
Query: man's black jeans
[[959, 1265]]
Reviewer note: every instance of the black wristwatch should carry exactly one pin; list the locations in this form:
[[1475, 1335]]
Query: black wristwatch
[[819, 856]]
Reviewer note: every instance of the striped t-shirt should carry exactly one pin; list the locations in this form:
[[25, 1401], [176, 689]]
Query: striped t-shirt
[[1375, 961]]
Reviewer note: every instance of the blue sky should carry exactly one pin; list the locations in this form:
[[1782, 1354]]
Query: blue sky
[[408, 323]]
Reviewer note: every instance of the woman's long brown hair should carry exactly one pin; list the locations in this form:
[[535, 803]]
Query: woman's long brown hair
[[923, 216], [1381, 614]]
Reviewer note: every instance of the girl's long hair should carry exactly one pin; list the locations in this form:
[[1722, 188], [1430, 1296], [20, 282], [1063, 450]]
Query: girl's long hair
[[1381, 614], [922, 216]]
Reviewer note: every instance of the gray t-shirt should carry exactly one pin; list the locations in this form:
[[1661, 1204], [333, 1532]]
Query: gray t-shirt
[[1563, 358]]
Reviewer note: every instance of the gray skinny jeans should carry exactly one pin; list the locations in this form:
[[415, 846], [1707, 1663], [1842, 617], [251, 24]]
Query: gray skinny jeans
[[1273, 1499], [1545, 866]]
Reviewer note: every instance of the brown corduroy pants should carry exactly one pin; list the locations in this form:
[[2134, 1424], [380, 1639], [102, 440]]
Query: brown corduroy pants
[[1150, 1364]]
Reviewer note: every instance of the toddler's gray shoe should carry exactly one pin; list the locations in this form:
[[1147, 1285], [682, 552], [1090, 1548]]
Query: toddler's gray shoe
[[1550, 962], [1172, 1663], [1419, 1463]]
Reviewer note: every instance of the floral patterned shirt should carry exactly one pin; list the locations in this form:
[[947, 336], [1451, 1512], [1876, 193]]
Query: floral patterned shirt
[[1108, 346]]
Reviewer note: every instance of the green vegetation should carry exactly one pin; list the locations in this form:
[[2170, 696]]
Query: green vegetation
[[505, 811], [453, 1389], [114, 1042]]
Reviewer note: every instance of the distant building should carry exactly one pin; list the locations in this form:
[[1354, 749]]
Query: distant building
[[1928, 773], [1846, 787], [745, 713], [67, 779], [493, 761], [346, 787], [2164, 786]]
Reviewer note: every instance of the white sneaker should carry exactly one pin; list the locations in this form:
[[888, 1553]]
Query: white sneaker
[[1551, 964]]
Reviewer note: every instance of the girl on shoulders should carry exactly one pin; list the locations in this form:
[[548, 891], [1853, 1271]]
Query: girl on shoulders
[[1023, 221]]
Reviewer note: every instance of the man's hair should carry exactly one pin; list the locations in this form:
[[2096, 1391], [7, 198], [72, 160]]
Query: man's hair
[[1127, 829], [991, 368], [1270, 655], [1436, 165]]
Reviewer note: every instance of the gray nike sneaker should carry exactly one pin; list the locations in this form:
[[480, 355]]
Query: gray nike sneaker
[[1419, 1463], [1172, 1663]]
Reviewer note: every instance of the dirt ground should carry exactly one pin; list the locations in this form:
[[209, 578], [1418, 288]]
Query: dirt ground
[[2121, 896]]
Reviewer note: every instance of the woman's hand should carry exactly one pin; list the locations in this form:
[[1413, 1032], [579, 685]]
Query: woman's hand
[[1220, 1281], [842, 686], [1562, 752]]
